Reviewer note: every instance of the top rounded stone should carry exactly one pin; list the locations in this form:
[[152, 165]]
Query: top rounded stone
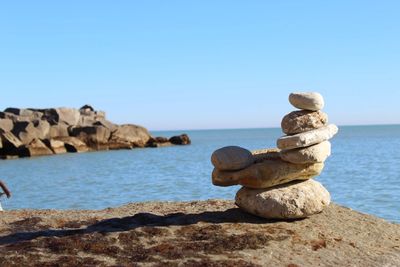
[[308, 100], [231, 158]]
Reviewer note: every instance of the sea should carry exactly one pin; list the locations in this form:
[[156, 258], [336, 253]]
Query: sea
[[363, 172]]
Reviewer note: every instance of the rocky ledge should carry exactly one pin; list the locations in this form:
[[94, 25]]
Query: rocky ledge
[[38, 132], [201, 233]]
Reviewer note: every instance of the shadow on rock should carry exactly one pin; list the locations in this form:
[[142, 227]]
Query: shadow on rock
[[234, 215]]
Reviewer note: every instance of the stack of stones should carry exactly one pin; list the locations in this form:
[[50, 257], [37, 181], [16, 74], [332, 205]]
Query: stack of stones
[[277, 182]]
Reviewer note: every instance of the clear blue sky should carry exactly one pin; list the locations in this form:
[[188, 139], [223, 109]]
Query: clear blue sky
[[202, 64]]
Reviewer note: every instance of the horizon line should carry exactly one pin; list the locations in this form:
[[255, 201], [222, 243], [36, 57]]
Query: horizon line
[[273, 127]]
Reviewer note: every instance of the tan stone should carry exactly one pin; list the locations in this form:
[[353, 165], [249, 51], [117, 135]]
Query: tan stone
[[58, 130], [295, 200], [73, 144], [8, 139], [307, 138], [57, 146], [303, 121], [308, 100], [35, 148], [267, 153], [267, 173], [231, 158], [135, 135], [312, 154], [6, 125]]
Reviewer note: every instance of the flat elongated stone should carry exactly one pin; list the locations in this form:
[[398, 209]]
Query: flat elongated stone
[[267, 173], [307, 100], [268, 153], [290, 201], [302, 121], [307, 138], [312, 154], [231, 158]]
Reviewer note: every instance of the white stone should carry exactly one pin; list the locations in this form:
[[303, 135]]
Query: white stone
[[289, 201], [307, 138], [231, 158], [308, 100], [312, 154]]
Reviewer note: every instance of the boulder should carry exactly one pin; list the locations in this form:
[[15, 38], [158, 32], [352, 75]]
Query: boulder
[[49, 114], [19, 111], [17, 114], [10, 144], [27, 131], [119, 144], [73, 144], [58, 130], [57, 146], [35, 148], [231, 158], [86, 121], [7, 138], [312, 154], [307, 138], [309, 100], [86, 107], [290, 201], [96, 137], [134, 135], [69, 116], [6, 124], [267, 173], [158, 142], [43, 128], [303, 121], [105, 123], [182, 139]]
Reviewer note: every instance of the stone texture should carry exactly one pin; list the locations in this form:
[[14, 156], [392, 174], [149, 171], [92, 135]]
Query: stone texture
[[69, 116], [268, 153], [291, 201], [158, 142], [307, 138], [182, 139], [42, 128], [303, 121], [134, 135], [312, 154], [57, 146], [267, 173], [308, 100], [96, 137], [198, 233], [9, 140], [231, 158], [73, 144], [27, 131], [106, 123], [58, 130], [35, 148], [6, 125]]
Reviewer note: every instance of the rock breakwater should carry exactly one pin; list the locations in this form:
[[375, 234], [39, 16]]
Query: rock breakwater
[[38, 132]]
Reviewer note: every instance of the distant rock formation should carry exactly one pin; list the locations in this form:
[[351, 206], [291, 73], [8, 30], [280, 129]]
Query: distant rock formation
[[37, 132]]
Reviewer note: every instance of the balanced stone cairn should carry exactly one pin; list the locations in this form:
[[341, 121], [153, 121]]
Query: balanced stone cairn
[[277, 182]]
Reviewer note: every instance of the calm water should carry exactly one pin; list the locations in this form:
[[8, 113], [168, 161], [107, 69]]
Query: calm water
[[363, 172]]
